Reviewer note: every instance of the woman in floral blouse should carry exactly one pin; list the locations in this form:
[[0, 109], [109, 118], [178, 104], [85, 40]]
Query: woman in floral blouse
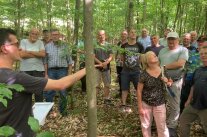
[[151, 95]]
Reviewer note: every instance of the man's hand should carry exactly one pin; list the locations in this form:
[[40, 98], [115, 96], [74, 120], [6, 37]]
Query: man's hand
[[104, 64]]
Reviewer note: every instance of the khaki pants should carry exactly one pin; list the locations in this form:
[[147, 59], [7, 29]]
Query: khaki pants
[[174, 104], [159, 113], [103, 76], [188, 116]]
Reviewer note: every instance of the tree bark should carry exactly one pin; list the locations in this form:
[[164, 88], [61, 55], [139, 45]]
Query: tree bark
[[76, 30], [90, 80], [144, 16], [17, 17], [130, 15], [49, 17], [177, 14], [205, 21]]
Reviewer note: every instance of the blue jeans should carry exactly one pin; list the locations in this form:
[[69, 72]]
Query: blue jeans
[[49, 95]]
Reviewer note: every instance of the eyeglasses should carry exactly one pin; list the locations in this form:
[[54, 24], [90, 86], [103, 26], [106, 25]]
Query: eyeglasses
[[16, 44]]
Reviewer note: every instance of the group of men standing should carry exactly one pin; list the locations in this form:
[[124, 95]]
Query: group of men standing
[[180, 62], [48, 58]]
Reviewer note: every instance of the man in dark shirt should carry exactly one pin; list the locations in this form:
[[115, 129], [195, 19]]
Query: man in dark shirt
[[103, 57], [119, 63], [19, 108], [131, 70], [155, 46], [196, 105]]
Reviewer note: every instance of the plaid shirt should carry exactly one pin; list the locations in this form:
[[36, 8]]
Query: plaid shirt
[[57, 55]]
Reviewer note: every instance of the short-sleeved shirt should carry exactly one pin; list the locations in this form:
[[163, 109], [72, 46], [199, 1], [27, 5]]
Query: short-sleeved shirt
[[200, 88], [118, 55], [57, 55], [195, 44], [154, 90], [167, 56], [131, 56], [19, 109], [163, 41], [193, 62], [146, 42], [32, 64], [156, 50], [102, 52]]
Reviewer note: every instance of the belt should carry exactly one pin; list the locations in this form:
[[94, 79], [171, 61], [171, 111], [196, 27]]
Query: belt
[[57, 68]]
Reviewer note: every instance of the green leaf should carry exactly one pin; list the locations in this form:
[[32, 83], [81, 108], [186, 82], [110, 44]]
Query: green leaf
[[4, 101], [6, 92], [34, 124], [45, 134], [17, 87], [6, 131]]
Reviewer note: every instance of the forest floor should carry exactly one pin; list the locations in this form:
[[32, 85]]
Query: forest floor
[[111, 121]]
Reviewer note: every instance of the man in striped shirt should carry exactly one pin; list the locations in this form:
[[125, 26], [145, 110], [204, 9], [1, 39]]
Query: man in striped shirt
[[58, 63]]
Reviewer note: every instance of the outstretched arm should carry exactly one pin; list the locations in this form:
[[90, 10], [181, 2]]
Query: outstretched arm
[[64, 82]]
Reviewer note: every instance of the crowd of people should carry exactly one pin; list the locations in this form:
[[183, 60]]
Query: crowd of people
[[169, 70]]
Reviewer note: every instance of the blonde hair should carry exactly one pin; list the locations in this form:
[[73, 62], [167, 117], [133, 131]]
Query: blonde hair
[[144, 59]]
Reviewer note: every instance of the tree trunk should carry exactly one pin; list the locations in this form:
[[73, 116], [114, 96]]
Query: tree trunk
[[49, 17], [205, 21], [17, 17], [144, 16], [137, 14], [90, 80], [162, 24], [130, 15], [76, 30], [177, 14]]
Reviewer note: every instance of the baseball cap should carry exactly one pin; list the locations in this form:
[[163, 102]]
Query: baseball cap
[[173, 35]]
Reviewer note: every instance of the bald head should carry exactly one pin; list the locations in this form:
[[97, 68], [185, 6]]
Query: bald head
[[101, 36]]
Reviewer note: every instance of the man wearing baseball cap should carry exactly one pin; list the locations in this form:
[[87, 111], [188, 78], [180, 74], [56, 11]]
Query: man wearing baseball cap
[[173, 58]]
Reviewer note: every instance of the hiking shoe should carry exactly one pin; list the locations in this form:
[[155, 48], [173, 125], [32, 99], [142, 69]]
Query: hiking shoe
[[126, 109]]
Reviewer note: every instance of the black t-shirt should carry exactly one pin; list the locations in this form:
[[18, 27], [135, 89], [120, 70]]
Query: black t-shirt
[[200, 88], [19, 109], [131, 57]]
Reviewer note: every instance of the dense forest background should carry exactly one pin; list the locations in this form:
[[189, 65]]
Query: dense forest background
[[111, 15]]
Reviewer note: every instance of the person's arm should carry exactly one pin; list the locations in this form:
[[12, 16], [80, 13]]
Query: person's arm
[[190, 97], [107, 61], [97, 60], [64, 82], [40, 53], [175, 65], [25, 54], [139, 98]]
